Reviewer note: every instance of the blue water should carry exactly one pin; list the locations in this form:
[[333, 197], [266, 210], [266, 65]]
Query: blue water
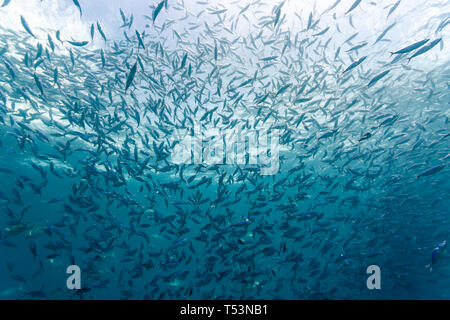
[[92, 132]]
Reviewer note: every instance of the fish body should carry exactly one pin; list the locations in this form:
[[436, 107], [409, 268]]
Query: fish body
[[355, 64], [377, 78], [426, 48], [157, 10], [131, 75], [354, 6], [411, 47], [77, 4], [5, 3], [78, 43], [436, 254], [26, 27], [431, 171]]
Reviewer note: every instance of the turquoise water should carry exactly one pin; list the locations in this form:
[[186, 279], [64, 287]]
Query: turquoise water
[[210, 150]]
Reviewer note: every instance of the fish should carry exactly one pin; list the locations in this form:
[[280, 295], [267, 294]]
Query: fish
[[430, 171], [92, 32], [26, 27], [394, 6], [157, 10], [377, 78], [78, 43], [100, 30], [411, 47], [141, 43], [77, 4], [357, 47], [131, 75], [5, 3], [426, 48], [353, 7], [321, 32], [381, 36], [334, 5], [38, 84], [355, 64], [436, 254]]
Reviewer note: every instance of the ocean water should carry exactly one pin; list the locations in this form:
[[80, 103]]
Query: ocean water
[[224, 150]]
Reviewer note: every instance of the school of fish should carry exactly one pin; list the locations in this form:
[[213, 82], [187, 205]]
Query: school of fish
[[88, 132]]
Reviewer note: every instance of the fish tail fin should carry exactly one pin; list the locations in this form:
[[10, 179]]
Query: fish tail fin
[[392, 53], [428, 266], [417, 176]]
